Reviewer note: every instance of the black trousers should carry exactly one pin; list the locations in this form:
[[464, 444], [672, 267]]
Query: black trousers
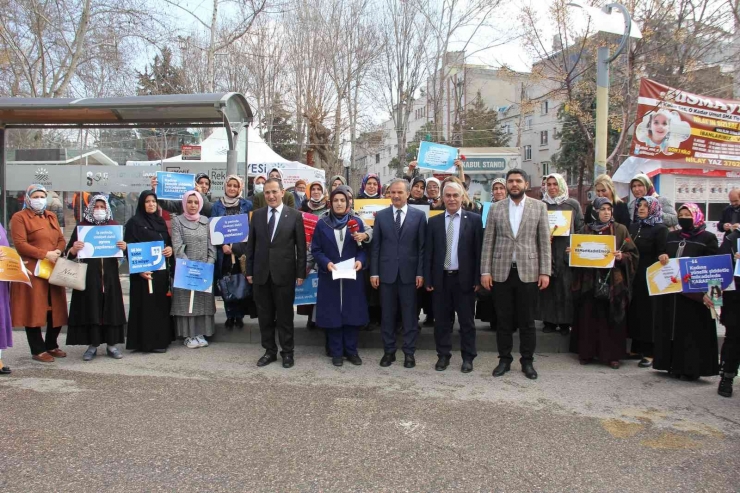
[[395, 295], [515, 301], [449, 300], [731, 350], [275, 311], [36, 341]]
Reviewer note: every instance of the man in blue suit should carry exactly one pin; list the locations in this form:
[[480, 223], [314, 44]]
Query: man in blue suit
[[451, 267], [397, 267]]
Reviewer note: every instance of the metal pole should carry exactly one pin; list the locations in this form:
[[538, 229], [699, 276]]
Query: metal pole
[[231, 168], [602, 110], [3, 178]]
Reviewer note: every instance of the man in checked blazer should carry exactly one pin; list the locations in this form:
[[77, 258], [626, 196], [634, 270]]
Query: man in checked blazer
[[516, 260]]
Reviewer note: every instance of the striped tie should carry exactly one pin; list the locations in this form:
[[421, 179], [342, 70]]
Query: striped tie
[[450, 238]]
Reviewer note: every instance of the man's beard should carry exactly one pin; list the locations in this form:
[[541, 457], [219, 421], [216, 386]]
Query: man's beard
[[516, 195]]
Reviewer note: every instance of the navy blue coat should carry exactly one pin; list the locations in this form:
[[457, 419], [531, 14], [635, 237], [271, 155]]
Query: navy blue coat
[[219, 210], [397, 256], [468, 251], [341, 302]]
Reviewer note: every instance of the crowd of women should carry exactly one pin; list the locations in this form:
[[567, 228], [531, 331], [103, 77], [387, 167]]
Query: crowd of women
[[600, 308]]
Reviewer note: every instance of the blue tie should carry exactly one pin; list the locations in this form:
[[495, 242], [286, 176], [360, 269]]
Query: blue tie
[[271, 223]]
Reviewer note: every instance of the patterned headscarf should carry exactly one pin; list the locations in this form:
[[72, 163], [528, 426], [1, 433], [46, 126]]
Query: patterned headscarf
[[232, 201], [90, 217], [27, 200], [432, 179], [563, 194], [596, 223], [655, 211], [698, 215], [363, 194], [191, 217], [317, 204]]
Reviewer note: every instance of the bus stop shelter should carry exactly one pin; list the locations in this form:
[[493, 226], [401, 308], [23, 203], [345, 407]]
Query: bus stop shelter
[[230, 110]]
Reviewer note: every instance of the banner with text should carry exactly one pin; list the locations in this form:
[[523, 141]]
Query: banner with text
[[100, 241], [226, 230]]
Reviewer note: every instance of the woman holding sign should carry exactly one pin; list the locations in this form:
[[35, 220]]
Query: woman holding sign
[[649, 235], [556, 302], [97, 315], [37, 236], [686, 334], [191, 239], [149, 321], [602, 295], [341, 305], [227, 256]]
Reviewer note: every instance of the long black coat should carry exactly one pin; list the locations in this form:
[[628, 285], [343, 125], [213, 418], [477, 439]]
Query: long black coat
[[685, 333]]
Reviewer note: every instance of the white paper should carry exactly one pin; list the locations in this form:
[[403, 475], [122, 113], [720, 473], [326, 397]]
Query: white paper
[[345, 270]]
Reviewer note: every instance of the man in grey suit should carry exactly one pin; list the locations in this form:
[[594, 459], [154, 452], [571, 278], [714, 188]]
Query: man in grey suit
[[515, 261], [397, 267]]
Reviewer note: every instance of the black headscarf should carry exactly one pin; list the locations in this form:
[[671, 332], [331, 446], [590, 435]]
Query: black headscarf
[[145, 226], [596, 223], [333, 220]]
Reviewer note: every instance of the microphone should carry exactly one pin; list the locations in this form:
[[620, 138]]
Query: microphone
[[353, 228]]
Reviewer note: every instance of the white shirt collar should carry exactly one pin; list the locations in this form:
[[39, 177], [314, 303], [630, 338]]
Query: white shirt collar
[[404, 209], [521, 202], [279, 208], [447, 213]]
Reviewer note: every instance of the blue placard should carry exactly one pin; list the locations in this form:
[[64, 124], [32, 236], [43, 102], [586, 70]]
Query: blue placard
[[437, 157], [145, 257], [305, 294], [485, 211], [100, 241], [701, 269], [226, 230], [193, 276], [172, 186]]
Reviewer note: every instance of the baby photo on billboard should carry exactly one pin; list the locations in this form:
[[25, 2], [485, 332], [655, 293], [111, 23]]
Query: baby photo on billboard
[[663, 129]]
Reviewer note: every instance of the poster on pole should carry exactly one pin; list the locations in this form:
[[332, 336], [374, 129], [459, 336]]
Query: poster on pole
[[595, 251], [172, 186], [100, 241], [146, 257], [226, 230], [437, 157], [305, 294], [696, 272], [193, 276], [678, 126]]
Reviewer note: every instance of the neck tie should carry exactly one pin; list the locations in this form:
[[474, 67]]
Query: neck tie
[[398, 221], [450, 237], [271, 222]]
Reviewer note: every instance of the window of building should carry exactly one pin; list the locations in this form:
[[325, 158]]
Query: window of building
[[506, 128], [528, 123], [544, 107], [377, 158], [527, 153], [543, 138], [545, 168], [555, 135]]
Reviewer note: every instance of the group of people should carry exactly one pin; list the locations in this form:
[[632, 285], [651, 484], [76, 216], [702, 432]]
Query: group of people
[[513, 267]]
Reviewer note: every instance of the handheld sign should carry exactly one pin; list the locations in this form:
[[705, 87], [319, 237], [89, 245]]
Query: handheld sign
[[193, 275], [11, 266], [437, 157], [367, 208], [146, 257], [226, 230], [664, 279], [560, 222], [305, 294], [172, 186], [698, 271], [596, 251], [484, 213], [737, 264], [100, 241]]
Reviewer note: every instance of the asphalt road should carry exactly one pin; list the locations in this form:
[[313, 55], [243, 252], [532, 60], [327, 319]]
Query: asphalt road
[[210, 420]]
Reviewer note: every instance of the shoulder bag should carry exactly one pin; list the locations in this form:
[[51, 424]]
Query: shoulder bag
[[69, 274]]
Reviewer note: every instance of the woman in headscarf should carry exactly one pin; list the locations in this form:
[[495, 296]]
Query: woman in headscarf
[[150, 326], [556, 302], [434, 194], [649, 235], [604, 187], [418, 187], [685, 333], [341, 305], [498, 190], [227, 257], [641, 186], [258, 200], [191, 240], [202, 186], [6, 323], [600, 324], [315, 203], [97, 315], [37, 236], [335, 181], [370, 188]]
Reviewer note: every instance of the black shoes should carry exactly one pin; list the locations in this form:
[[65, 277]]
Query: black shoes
[[387, 359], [428, 321], [442, 363], [337, 361], [725, 386], [550, 328], [311, 325], [467, 366], [288, 361], [354, 359], [503, 367], [529, 371], [239, 323], [267, 359], [409, 361], [229, 323]]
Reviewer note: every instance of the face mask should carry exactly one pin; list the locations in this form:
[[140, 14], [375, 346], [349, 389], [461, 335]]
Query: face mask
[[38, 204], [258, 188], [100, 215], [301, 194], [686, 223]]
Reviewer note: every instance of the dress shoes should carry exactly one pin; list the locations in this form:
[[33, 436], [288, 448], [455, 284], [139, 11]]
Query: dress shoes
[[266, 359], [113, 352], [239, 323], [337, 361], [288, 361], [387, 359], [229, 323], [43, 357], [409, 361], [503, 367], [354, 359], [57, 353], [529, 371], [467, 366], [442, 363], [90, 353]]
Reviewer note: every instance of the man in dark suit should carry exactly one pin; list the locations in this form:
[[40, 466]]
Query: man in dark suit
[[276, 262], [451, 272], [397, 267]]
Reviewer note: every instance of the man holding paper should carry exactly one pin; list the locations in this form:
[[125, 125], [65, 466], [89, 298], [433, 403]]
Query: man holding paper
[[341, 305]]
